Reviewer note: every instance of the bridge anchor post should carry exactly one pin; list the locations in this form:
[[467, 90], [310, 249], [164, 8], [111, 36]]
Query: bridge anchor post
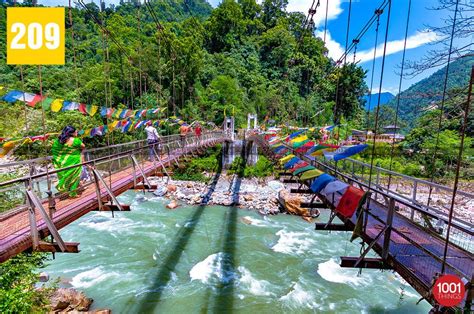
[[59, 245], [145, 179], [97, 178]]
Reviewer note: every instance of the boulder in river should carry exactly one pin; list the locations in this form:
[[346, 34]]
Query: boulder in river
[[172, 205], [68, 299]]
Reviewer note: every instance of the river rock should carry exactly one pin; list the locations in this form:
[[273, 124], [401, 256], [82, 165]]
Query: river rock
[[68, 299], [172, 188], [43, 277], [248, 198], [172, 205]]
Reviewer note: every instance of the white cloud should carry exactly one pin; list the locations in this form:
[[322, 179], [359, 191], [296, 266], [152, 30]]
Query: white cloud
[[334, 9], [335, 50], [413, 41]]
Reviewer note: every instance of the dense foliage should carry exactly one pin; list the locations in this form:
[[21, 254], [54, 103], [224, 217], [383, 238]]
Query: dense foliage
[[18, 277], [428, 92], [242, 57]]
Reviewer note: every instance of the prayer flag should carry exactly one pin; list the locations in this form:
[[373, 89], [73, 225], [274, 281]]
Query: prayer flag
[[345, 151], [350, 201], [333, 187], [110, 112], [127, 126], [321, 182], [34, 101], [91, 109], [123, 114], [70, 106], [117, 113], [12, 96], [83, 108], [294, 135], [103, 111], [46, 103], [56, 105], [113, 125]]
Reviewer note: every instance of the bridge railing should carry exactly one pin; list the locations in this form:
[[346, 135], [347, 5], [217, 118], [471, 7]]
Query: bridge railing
[[423, 202], [40, 176]]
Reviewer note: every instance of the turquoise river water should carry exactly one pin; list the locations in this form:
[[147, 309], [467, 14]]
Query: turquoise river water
[[220, 259]]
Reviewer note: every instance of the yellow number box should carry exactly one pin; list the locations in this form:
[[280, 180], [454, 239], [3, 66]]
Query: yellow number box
[[35, 36]]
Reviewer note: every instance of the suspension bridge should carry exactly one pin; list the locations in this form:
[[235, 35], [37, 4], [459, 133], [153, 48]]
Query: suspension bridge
[[395, 227], [114, 169], [398, 227]]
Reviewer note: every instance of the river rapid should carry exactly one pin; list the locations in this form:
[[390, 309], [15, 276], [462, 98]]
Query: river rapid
[[199, 259]]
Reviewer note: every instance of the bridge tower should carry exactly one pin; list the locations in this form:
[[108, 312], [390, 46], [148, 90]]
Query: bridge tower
[[229, 127], [253, 151]]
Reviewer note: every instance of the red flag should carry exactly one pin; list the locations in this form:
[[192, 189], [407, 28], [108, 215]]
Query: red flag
[[83, 108], [349, 201], [34, 101]]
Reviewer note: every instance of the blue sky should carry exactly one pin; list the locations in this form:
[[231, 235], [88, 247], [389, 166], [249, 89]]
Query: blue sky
[[362, 10]]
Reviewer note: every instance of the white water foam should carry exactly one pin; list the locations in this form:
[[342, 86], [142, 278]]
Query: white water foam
[[210, 267], [253, 285], [92, 277], [100, 222], [254, 221], [299, 297], [331, 271], [293, 242]]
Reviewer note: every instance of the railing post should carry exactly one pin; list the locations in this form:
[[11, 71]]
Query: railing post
[[134, 173], [97, 190], [415, 187], [31, 216], [386, 238]]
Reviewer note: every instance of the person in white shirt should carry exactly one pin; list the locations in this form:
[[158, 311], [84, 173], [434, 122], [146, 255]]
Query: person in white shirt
[[152, 138]]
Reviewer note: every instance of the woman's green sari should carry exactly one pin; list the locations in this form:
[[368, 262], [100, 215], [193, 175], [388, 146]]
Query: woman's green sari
[[65, 156]]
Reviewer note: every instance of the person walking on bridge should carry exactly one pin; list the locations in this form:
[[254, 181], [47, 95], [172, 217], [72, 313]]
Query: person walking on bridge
[[184, 129], [67, 151], [153, 139]]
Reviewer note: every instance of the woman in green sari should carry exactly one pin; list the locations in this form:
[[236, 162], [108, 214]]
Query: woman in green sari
[[67, 151]]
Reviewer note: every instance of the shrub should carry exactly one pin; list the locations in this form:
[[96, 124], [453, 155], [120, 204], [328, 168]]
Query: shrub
[[18, 277]]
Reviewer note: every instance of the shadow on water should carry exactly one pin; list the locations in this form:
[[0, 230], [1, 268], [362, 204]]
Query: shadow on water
[[224, 301], [152, 296]]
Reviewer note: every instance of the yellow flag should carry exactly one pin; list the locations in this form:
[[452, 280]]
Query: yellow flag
[[87, 132], [93, 110], [299, 139], [113, 125], [56, 105]]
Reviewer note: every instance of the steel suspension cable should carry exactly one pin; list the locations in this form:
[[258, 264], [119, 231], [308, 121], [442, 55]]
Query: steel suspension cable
[[458, 166], [443, 100], [71, 25], [326, 21], [378, 109], [399, 91]]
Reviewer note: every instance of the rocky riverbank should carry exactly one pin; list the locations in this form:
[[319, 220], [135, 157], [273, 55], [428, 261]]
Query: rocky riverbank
[[253, 194]]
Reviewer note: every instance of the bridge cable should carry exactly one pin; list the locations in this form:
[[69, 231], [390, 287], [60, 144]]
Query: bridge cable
[[399, 91], [378, 12], [463, 132], [326, 22], [377, 111], [445, 85], [336, 119]]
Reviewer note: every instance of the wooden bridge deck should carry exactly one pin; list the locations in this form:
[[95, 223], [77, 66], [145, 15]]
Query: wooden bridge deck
[[15, 233], [413, 263]]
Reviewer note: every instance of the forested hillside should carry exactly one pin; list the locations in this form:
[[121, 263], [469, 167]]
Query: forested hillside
[[427, 92], [241, 57]]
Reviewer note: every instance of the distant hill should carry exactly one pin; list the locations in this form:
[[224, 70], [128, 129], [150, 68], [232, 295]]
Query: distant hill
[[373, 99], [421, 95]]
